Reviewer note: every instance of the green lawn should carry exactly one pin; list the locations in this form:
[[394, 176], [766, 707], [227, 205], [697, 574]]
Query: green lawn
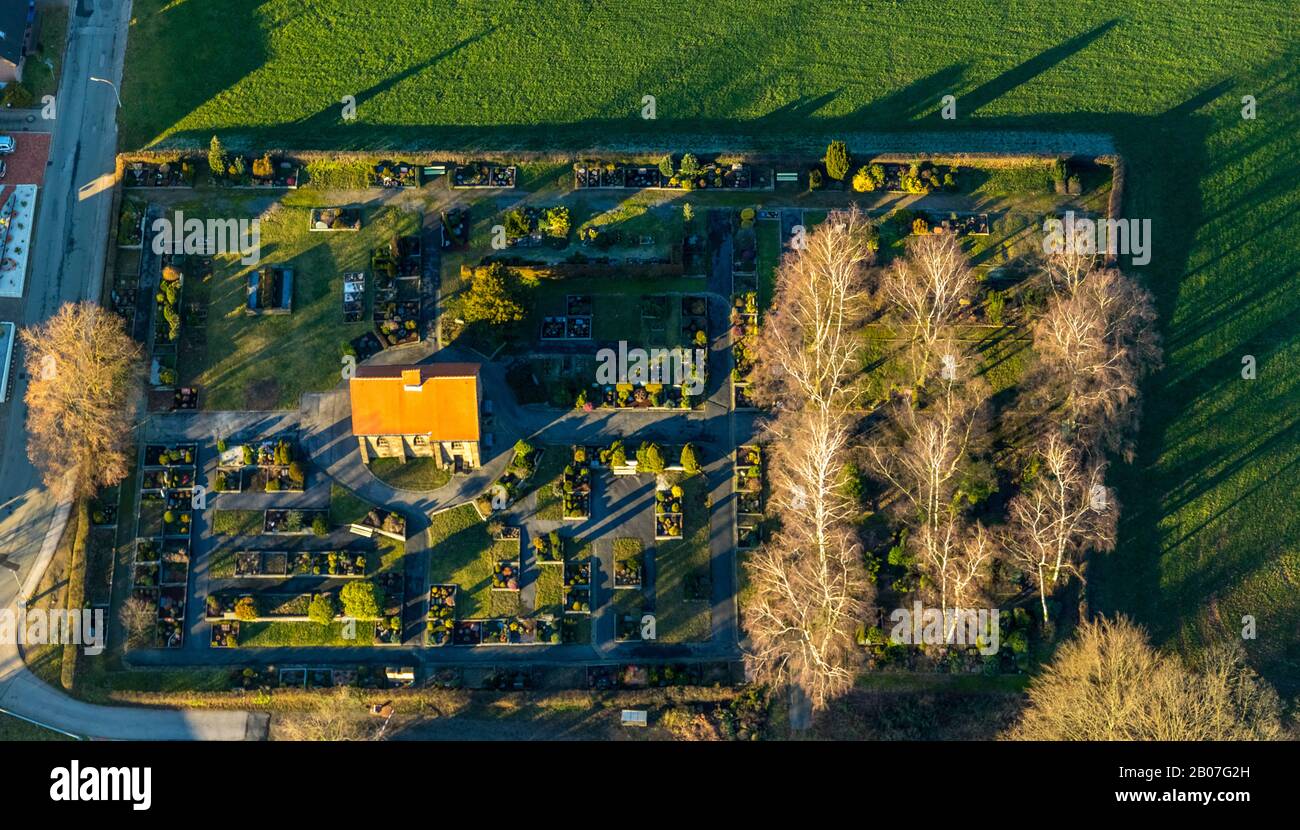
[[237, 522], [345, 506], [40, 76], [682, 572], [269, 634], [17, 729], [462, 553], [412, 474], [1209, 526], [550, 505], [268, 362]]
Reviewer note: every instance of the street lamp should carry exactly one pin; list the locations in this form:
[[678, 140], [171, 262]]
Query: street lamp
[[114, 86], [13, 569]]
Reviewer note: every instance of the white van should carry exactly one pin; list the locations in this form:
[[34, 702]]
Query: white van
[[6, 144]]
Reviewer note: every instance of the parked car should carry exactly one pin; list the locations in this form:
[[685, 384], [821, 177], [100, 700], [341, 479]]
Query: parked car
[[7, 144]]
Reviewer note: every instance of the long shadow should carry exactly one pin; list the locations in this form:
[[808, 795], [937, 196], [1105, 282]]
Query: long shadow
[[989, 91], [169, 102], [331, 117]]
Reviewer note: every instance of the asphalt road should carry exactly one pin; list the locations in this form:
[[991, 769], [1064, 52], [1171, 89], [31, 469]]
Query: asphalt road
[[67, 264]]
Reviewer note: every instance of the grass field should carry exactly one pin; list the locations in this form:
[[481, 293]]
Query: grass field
[[462, 553], [682, 571], [1209, 527], [268, 362], [420, 474]]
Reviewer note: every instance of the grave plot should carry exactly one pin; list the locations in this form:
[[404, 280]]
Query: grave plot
[[381, 522], [294, 522], [334, 219], [747, 484], [130, 223], [483, 174], [529, 226], [270, 291], [744, 247], [576, 485], [124, 295], [167, 323], [914, 178], [252, 563], [441, 619], [354, 296], [744, 344], [642, 176], [224, 635], [275, 171], [511, 484], [390, 174], [455, 228], [271, 466], [695, 320], [397, 293], [365, 346], [548, 548], [391, 585], [180, 173], [103, 508], [179, 328], [575, 325], [629, 564], [594, 174], [577, 585], [668, 513], [958, 223], [159, 575]]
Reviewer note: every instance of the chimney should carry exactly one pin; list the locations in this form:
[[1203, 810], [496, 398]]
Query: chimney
[[411, 380]]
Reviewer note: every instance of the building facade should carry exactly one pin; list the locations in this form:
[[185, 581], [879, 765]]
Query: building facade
[[428, 411]]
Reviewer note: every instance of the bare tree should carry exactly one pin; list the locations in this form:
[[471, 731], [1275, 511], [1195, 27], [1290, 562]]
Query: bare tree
[[1096, 343], [1063, 513], [338, 716], [810, 591], [927, 287], [84, 371], [140, 620], [1109, 684], [809, 351], [923, 456], [1067, 268]]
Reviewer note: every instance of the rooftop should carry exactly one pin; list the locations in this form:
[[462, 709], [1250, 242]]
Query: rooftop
[[439, 400]]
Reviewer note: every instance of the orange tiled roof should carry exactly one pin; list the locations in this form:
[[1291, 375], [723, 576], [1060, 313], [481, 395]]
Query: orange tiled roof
[[439, 400]]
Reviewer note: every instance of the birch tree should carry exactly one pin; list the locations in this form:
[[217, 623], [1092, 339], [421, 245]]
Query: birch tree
[[1062, 514], [926, 289], [1096, 343], [810, 588]]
